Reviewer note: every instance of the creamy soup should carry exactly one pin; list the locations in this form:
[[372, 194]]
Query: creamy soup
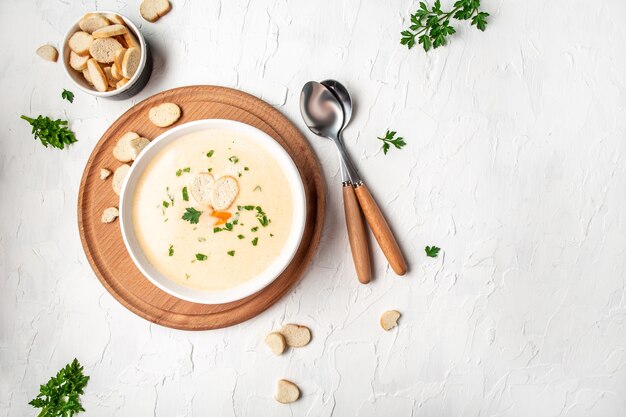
[[195, 245]]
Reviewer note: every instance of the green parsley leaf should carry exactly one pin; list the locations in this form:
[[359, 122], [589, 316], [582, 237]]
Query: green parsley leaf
[[431, 27], [201, 257], [255, 241], [51, 132], [170, 251], [67, 95], [432, 251], [240, 237], [182, 170], [390, 139], [192, 215], [166, 204], [185, 194], [231, 253], [255, 229], [60, 396], [233, 159], [210, 153], [216, 229]]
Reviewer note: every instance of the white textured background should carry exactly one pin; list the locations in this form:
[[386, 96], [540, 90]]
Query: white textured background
[[515, 166]]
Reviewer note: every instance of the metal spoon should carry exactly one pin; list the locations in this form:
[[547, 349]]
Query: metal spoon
[[323, 114], [354, 217]]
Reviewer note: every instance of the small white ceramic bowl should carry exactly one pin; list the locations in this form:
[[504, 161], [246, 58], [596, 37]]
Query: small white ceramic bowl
[[256, 283], [136, 83]]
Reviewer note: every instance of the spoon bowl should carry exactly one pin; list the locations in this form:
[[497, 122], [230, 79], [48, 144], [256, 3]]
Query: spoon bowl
[[321, 110], [344, 98]]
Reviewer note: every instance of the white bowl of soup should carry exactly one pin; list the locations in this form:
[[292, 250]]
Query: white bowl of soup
[[179, 227]]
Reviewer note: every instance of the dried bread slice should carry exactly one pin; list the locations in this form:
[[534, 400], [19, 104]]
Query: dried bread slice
[[78, 62], [152, 10], [389, 319], [119, 58], [104, 49], [110, 79], [80, 42], [131, 41], [48, 52], [296, 335], [131, 61], [92, 22], [121, 83], [224, 192], [104, 173], [115, 18], [87, 76], [97, 76], [202, 187], [165, 114], [276, 342], [115, 73], [109, 31], [129, 146], [286, 392], [110, 214], [118, 177]]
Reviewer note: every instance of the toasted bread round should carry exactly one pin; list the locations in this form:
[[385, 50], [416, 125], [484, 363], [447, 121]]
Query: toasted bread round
[[116, 74], [121, 83], [104, 173], [98, 78], [276, 342], [80, 42], [87, 76], [110, 80], [48, 52], [130, 63], [78, 62], [103, 50], [118, 177], [286, 392], [119, 58], [129, 146], [109, 31], [164, 115], [224, 192], [389, 319], [110, 214], [92, 22], [114, 18], [131, 41], [152, 10], [296, 335], [202, 187]]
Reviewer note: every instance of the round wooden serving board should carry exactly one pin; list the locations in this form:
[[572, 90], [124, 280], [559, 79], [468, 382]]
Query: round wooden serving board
[[103, 243]]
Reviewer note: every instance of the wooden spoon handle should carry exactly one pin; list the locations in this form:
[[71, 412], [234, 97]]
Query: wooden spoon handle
[[356, 235], [381, 230]]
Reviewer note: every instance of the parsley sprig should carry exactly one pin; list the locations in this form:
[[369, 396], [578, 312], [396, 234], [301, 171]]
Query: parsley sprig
[[51, 132], [432, 251], [67, 95], [60, 397], [431, 27], [390, 139], [192, 215]]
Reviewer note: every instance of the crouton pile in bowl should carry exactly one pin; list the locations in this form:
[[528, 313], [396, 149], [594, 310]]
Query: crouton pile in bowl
[[105, 55]]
